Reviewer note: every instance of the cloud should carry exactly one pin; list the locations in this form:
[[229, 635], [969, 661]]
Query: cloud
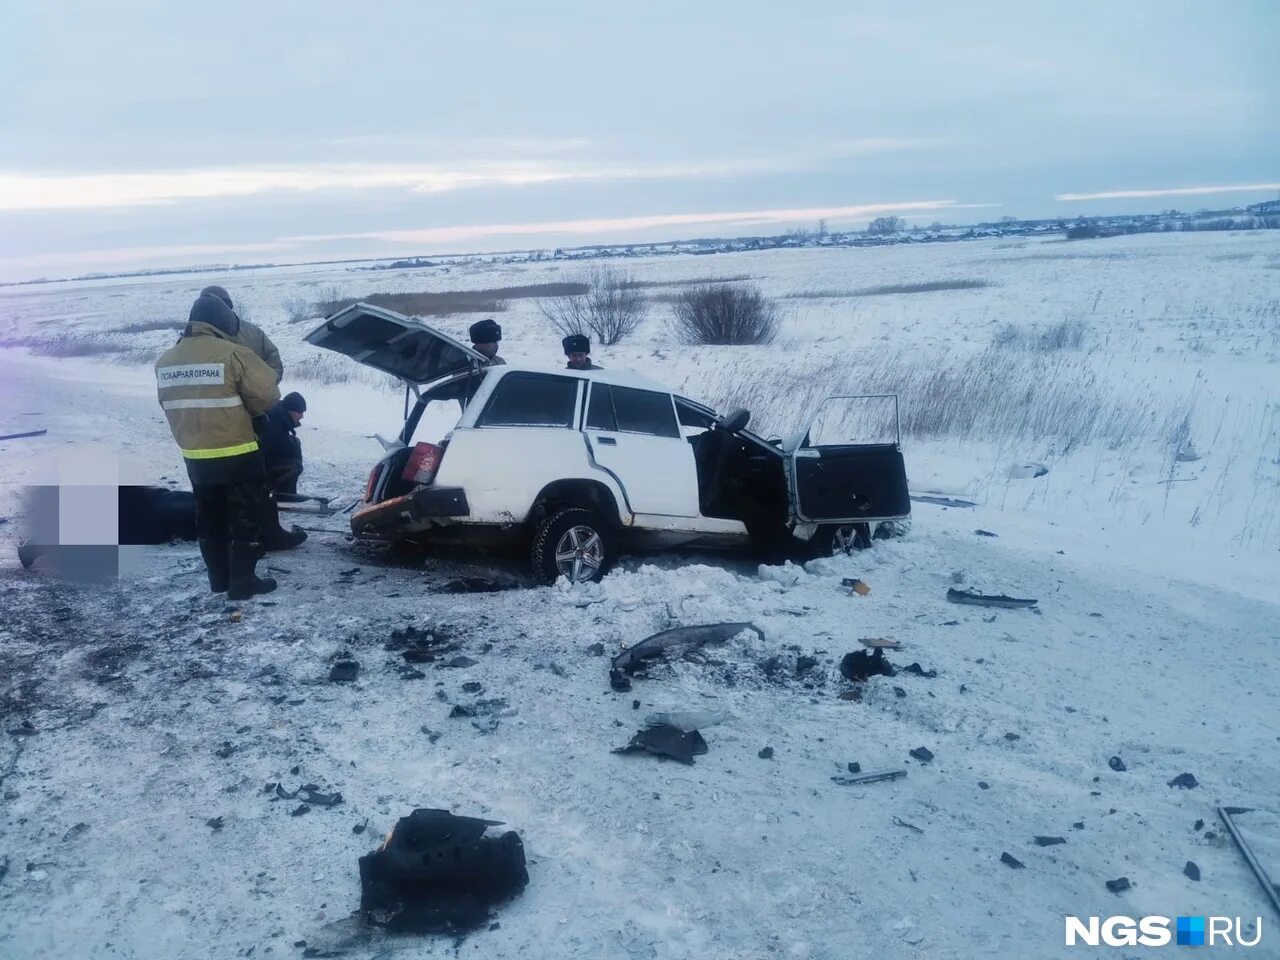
[[1168, 192], [619, 225], [21, 190]]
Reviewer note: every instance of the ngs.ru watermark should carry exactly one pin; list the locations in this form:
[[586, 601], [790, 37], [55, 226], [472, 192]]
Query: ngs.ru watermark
[[1162, 931]]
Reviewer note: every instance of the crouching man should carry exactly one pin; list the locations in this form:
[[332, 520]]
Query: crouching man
[[210, 388], [282, 451]]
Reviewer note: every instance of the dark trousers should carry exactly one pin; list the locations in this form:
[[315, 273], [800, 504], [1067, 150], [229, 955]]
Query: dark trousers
[[230, 511], [283, 478]]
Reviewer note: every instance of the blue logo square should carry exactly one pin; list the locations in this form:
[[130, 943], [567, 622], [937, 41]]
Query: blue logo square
[[1190, 931]]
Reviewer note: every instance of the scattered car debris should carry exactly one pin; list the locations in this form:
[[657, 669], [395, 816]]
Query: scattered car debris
[[855, 586], [1198, 825], [765, 753], [596, 650], [687, 720], [880, 776], [1119, 885], [460, 662], [1184, 781], [23, 436], [678, 641], [214, 823], [985, 533], [1191, 871], [360, 828], [1078, 825], [900, 693], [923, 754], [309, 793], [1012, 861], [300, 810], [874, 643], [25, 729], [432, 735], [920, 671], [1011, 737], [943, 501], [984, 600], [1116, 764], [344, 671], [493, 707], [1049, 841], [983, 785], [480, 585], [1228, 814], [854, 767], [438, 873], [862, 664], [667, 741], [910, 826]]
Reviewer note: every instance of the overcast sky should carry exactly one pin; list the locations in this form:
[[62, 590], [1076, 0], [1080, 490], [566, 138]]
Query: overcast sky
[[155, 134]]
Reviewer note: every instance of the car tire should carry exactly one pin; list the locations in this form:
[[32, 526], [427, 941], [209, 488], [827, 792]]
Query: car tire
[[835, 539], [572, 530]]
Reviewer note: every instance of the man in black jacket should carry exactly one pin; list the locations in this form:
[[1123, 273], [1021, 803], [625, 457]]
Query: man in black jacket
[[277, 434]]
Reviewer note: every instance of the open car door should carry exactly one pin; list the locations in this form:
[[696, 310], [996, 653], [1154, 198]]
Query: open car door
[[393, 343], [834, 478]]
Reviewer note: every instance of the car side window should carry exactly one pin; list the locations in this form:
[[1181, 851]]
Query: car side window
[[600, 414], [645, 411], [531, 400]]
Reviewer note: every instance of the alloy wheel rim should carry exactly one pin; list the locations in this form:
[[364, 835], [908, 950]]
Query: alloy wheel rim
[[579, 554]]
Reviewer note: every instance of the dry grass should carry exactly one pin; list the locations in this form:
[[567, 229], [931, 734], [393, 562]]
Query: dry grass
[[444, 303], [330, 368], [932, 286], [67, 346], [995, 396], [146, 326], [1067, 334], [692, 282]]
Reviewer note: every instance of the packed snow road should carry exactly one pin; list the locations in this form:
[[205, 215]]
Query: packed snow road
[[138, 817]]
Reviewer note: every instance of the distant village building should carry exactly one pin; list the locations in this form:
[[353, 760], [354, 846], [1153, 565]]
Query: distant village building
[[1267, 208]]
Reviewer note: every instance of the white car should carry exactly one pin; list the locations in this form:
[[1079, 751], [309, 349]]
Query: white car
[[580, 465]]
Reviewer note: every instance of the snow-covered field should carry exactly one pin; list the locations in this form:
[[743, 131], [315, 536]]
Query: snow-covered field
[[1153, 543]]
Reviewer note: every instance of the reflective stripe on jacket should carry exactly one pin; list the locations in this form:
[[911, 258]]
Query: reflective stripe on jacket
[[209, 388]]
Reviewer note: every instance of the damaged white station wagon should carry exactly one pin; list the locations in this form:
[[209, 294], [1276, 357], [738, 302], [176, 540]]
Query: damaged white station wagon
[[579, 465]]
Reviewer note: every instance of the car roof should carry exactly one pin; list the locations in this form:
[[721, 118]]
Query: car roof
[[622, 378]]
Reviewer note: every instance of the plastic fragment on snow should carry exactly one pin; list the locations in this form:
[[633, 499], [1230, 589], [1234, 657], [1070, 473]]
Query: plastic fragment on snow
[[344, 671], [874, 643], [439, 873], [1049, 841], [1185, 781], [1116, 764], [923, 754], [855, 586], [1012, 861], [678, 641], [984, 600], [1119, 885], [1191, 871], [862, 664], [667, 741], [879, 776]]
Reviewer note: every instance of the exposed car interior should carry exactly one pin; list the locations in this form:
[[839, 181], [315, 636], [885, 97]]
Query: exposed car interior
[[740, 476]]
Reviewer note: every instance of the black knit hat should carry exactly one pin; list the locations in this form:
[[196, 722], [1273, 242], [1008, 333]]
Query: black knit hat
[[214, 311], [294, 402], [576, 343], [220, 293], [485, 331]]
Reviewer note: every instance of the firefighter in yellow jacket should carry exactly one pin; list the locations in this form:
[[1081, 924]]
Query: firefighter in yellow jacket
[[210, 388]]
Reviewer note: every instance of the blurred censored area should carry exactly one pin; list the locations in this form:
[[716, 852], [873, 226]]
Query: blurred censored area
[[91, 532]]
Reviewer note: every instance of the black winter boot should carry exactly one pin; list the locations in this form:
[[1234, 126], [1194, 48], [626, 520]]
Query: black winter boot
[[276, 537], [216, 562], [244, 583]]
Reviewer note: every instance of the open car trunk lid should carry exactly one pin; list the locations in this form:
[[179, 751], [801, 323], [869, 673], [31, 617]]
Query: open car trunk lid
[[393, 343]]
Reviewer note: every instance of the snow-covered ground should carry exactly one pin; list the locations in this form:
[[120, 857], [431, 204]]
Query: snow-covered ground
[[157, 710]]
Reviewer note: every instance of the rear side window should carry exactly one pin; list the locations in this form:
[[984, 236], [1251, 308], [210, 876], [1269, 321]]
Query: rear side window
[[531, 400], [644, 411], [600, 409]]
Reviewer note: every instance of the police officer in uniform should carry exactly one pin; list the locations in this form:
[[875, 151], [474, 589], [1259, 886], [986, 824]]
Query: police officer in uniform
[[577, 347], [210, 387], [485, 336]]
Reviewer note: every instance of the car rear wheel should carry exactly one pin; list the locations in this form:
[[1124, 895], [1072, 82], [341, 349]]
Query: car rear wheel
[[834, 540], [572, 543]]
